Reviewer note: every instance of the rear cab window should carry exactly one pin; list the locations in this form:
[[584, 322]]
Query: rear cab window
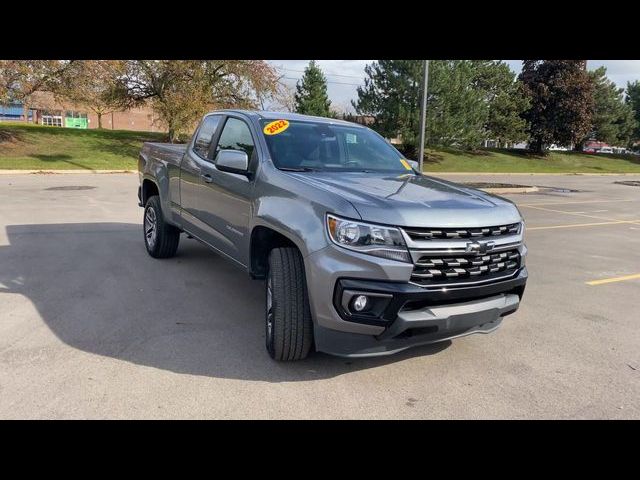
[[205, 135]]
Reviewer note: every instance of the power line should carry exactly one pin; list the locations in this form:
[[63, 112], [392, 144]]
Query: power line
[[327, 74], [331, 81]]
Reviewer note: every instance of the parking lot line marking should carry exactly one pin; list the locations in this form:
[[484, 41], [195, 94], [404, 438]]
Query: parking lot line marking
[[578, 201], [608, 219], [572, 213], [551, 227], [592, 211], [614, 279]]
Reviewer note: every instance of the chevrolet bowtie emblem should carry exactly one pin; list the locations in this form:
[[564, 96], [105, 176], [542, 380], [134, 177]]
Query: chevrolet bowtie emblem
[[480, 247]]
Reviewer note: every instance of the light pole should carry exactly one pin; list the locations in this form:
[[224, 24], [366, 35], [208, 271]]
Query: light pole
[[423, 111]]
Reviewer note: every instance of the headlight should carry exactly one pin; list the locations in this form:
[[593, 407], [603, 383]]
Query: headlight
[[385, 242], [523, 255]]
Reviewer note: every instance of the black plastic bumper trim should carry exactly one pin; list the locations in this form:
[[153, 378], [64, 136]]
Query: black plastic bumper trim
[[404, 292]]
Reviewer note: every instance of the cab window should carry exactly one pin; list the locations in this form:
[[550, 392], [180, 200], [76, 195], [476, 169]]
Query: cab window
[[236, 136], [205, 135]]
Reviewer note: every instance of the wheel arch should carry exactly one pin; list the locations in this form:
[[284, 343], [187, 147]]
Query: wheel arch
[[149, 188], [263, 240]]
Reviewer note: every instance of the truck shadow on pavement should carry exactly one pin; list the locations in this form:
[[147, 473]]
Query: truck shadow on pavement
[[97, 290]]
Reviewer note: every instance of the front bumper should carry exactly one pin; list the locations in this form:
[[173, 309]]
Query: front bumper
[[412, 316], [421, 327]]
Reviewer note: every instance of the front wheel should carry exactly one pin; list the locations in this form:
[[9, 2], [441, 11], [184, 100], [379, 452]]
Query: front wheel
[[160, 238], [289, 329]]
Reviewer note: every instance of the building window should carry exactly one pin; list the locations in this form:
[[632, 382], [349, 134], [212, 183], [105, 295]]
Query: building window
[[51, 118], [74, 114], [75, 119], [52, 121]]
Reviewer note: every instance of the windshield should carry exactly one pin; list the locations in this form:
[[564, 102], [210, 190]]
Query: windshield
[[308, 146]]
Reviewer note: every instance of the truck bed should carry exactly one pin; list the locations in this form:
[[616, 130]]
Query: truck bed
[[164, 152]]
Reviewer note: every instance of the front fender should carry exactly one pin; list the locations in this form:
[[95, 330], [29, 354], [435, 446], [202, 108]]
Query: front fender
[[302, 223], [294, 209]]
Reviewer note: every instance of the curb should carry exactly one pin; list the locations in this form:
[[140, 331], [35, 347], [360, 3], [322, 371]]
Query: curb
[[53, 172]]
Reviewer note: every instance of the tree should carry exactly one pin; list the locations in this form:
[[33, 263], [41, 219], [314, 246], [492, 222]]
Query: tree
[[613, 120], [633, 100], [469, 100], [283, 99], [20, 79], [93, 84], [391, 95], [561, 95], [457, 110], [181, 91], [311, 92], [505, 97]]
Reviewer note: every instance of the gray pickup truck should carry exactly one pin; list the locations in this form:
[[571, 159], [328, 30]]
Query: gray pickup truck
[[360, 253]]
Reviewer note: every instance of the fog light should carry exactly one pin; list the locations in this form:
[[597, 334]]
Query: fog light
[[360, 303]]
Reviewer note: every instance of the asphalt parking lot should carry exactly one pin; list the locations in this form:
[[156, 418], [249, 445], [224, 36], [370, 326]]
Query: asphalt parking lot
[[92, 327]]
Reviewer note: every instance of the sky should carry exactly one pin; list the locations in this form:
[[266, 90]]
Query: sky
[[343, 76]]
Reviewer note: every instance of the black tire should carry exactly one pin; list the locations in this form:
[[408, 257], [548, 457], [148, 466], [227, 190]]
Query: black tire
[[160, 238], [289, 329]]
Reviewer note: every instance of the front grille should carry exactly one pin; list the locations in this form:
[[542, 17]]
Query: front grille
[[439, 233], [464, 268]]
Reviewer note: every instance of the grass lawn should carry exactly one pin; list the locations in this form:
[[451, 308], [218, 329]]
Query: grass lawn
[[515, 161], [33, 147]]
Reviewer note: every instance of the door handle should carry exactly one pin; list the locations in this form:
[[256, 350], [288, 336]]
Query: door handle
[[207, 178]]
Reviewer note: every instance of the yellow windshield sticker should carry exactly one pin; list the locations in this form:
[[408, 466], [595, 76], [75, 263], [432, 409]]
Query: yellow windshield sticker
[[405, 164], [276, 127]]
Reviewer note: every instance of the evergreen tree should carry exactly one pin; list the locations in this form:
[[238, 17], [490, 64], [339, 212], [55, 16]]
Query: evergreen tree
[[633, 100], [468, 102], [506, 100], [457, 111], [311, 93], [561, 95], [613, 120], [391, 94]]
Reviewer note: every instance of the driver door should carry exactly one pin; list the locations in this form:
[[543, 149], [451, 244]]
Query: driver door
[[226, 197]]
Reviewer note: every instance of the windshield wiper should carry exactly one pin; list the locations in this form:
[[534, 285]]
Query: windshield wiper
[[298, 169]]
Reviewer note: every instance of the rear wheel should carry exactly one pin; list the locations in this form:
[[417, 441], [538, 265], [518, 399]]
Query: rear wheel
[[289, 329], [160, 238]]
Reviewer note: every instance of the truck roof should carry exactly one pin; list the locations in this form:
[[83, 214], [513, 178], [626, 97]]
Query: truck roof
[[269, 115]]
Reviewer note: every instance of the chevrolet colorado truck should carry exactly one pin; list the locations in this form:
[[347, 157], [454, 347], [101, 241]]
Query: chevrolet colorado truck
[[360, 254]]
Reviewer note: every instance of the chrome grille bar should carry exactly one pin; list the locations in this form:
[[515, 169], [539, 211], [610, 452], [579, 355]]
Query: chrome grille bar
[[442, 258], [457, 270], [444, 233]]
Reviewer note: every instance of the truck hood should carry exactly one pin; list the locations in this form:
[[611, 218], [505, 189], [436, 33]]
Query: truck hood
[[413, 200]]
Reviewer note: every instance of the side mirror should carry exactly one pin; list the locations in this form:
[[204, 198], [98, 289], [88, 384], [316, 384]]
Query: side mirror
[[415, 165], [232, 161]]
